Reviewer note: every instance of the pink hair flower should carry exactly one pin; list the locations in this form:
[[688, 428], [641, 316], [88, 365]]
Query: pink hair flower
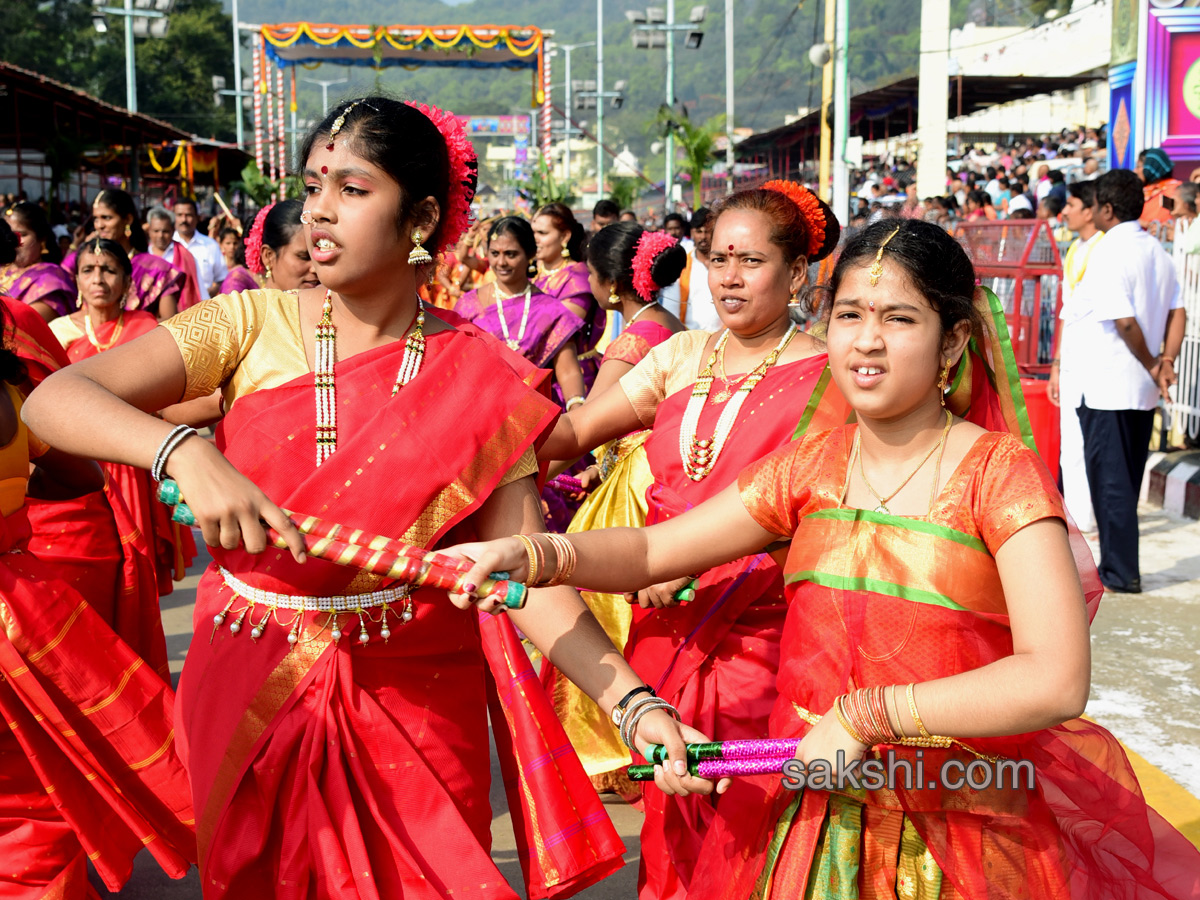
[[647, 249]]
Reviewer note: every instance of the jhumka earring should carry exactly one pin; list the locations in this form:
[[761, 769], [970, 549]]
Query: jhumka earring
[[876, 270], [419, 255], [531, 270], [566, 252], [794, 302], [613, 297], [943, 382], [268, 273], [128, 231]]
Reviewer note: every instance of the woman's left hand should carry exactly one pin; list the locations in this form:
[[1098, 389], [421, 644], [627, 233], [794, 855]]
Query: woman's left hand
[[826, 740], [660, 727], [503, 555]]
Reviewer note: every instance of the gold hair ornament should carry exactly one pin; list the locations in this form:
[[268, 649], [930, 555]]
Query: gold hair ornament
[[876, 270]]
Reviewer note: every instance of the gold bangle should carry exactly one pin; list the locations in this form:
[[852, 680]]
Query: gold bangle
[[534, 572], [912, 708], [574, 402], [845, 721]]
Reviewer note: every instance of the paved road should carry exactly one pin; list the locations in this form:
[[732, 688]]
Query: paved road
[[1145, 688]]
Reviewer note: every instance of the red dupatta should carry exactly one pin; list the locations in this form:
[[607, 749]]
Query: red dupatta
[[445, 465]]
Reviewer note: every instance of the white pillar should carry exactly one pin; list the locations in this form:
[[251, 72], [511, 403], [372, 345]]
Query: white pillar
[[932, 104]]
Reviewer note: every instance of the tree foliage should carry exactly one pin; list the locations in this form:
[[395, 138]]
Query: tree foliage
[[56, 38]]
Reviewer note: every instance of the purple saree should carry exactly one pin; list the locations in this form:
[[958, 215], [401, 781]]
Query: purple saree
[[42, 282]]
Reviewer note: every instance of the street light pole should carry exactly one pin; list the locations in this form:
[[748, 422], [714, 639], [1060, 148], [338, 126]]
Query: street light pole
[[841, 105], [669, 176], [130, 68], [569, 128], [729, 157], [325, 85], [237, 77], [599, 100]]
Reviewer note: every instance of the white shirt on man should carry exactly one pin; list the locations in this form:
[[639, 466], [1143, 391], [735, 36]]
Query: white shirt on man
[[701, 312], [210, 264], [1131, 277]]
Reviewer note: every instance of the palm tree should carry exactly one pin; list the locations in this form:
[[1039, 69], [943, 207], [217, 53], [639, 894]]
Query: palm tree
[[697, 143]]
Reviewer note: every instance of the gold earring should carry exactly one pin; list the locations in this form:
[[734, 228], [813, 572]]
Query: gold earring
[[268, 273], [532, 269], [943, 382], [128, 231], [613, 297], [794, 302], [419, 255], [566, 252]]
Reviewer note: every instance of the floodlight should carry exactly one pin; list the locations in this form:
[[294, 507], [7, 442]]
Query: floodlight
[[99, 23], [656, 15], [694, 39], [635, 16], [698, 14]]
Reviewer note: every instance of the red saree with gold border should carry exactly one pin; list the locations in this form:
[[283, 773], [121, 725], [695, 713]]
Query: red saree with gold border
[[715, 658], [361, 771]]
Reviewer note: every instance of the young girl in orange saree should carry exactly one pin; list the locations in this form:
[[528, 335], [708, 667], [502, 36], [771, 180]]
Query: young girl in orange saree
[[935, 615], [335, 723]]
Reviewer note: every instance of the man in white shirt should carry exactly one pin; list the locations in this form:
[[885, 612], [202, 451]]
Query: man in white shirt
[[210, 264], [1129, 333], [1043, 184], [689, 299], [1065, 388]]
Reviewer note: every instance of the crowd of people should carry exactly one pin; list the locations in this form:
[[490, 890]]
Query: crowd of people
[[784, 463]]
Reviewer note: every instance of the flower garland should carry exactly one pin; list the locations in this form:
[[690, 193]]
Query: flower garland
[[810, 210], [254, 241], [649, 245], [464, 172]]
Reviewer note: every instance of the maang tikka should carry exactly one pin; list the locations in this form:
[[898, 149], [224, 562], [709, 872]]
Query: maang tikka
[[876, 270]]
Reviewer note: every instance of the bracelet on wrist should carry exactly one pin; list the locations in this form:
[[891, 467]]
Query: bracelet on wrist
[[177, 436], [618, 711], [574, 402]]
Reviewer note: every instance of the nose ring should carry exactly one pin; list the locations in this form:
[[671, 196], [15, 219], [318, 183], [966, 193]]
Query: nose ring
[[306, 217]]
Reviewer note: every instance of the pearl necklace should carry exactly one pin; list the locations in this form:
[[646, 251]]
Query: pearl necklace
[[324, 385], [700, 456], [91, 334], [513, 344], [634, 317]]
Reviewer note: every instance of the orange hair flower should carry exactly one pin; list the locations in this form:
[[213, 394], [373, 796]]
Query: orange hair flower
[[810, 208]]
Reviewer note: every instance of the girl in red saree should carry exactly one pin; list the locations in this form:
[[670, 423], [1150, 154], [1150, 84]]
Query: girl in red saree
[[935, 612], [716, 403], [336, 734], [617, 258], [87, 763], [104, 273]]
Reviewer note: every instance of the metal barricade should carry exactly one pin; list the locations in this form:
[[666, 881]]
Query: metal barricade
[[1184, 409], [1020, 262]]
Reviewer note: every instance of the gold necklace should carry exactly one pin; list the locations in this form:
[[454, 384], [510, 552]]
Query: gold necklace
[[700, 456], [882, 507], [730, 386], [91, 333], [324, 380]]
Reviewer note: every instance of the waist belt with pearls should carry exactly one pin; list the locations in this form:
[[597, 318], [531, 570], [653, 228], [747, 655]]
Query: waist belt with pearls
[[372, 607]]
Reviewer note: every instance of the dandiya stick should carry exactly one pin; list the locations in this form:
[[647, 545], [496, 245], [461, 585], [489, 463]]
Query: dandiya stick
[[378, 555], [758, 748], [565, 484], [720, 768], [237, 223]]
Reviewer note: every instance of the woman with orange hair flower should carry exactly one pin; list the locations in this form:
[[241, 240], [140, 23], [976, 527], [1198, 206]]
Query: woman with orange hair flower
[[717, 402]]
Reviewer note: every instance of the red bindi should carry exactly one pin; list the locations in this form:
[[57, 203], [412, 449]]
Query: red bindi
[[324, 170], [731, 248]]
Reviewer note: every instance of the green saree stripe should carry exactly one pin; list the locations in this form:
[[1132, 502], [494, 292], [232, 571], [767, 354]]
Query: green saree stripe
[[814, 400], [875, 586], [918, 525], [1004, 347], [762, 888]]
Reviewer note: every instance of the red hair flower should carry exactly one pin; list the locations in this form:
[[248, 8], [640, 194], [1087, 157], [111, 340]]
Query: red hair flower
[[649, 245], [464, 173], [810, 208], [254, 241]]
